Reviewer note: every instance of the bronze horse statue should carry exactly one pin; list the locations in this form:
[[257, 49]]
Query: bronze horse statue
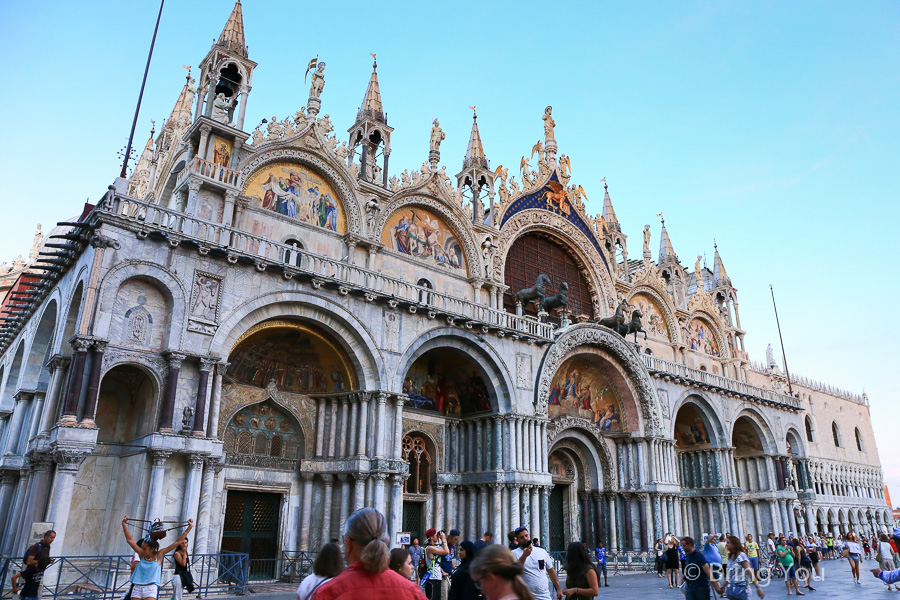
[[559, 300], [634, 326], [617, 320], [535, 293]]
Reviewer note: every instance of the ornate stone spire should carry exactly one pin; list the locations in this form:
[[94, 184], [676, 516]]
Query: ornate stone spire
[[181, 112], [666, 251], [475, 152], [232, 36], [720, 277], [371, 105], [609, 214]]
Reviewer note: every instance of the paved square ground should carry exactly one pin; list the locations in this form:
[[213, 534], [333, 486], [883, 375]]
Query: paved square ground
[[836, 585]]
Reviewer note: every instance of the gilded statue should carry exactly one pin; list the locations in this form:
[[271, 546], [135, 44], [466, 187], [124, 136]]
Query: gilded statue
[[318, 81], [437, 136], [549, 124]]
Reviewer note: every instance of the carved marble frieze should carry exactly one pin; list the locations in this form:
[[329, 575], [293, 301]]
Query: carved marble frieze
[[206, 300], [557, 431], [588, 334], [115, 356]]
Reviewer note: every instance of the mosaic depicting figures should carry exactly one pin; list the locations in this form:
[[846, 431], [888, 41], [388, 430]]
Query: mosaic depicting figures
[[690, 429], [579, 389], [745, 439], [446, 381], [298, 193], [701, 338], [418, 232], [653, 320], [221, 152], [297, 359]]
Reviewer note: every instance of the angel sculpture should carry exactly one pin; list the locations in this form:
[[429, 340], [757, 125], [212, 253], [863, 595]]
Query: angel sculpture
[[525, 168], [565, 166], [325, 125], [404, 177], [538, 149], [513, 187], [501, 173], [300, 120]]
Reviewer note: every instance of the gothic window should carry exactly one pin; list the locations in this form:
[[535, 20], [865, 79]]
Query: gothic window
[[533, 254], [859, 442], [836, 434], [263, 436], [809, 430], [415, 452]]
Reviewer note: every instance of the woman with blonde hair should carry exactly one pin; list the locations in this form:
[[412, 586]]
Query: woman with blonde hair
[[499, 575], [367, 574]]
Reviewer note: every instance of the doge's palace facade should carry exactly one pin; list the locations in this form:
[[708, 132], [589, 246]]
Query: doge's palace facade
[[277, 327]]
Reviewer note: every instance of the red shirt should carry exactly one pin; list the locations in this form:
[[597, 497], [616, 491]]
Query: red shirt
[[356, 582]]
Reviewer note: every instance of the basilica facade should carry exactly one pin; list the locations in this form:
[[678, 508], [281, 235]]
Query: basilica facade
[[265, 330]]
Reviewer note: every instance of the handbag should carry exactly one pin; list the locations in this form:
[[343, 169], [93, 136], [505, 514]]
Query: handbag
[[845, 553], [738, 591]]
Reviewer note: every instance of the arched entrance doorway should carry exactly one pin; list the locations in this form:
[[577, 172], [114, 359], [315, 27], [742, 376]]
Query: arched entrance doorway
[[701, 464]]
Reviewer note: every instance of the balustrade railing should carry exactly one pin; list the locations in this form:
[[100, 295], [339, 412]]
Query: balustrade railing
[[153, 218], [720, 381], [208, 170]]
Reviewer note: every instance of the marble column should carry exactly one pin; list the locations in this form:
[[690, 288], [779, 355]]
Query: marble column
[[58, 366], [306, 516], [327, 505], [585, 517], [545, 450], [359, 491], [201, 537], [396, 508], [363, 425], [344, 438], [379, 498], [167, 408], [484, 492], [514, 506], [190, 505], [757, 517], [497, 519], [437, 519], [212, 429], [93, 386], [73, 387], [641, 467], [785, 520], [472, 516], [7, 488], [156, 492], [67, 464], [498, 450], [777, 528], [452, 446], [14, 429], [479, 447], [536, 516], [520, 445], [545, 515], [354, 427], [199, 427], [333, 426], [398, 429], [613, 519]]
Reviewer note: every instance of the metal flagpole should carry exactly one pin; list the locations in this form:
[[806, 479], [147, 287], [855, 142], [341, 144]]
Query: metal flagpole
[[783, 357], [141, 95]]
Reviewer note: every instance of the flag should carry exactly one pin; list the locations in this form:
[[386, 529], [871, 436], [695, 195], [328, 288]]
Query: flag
[[312, 65]]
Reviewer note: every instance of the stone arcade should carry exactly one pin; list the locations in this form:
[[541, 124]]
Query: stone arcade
[[264, 334]]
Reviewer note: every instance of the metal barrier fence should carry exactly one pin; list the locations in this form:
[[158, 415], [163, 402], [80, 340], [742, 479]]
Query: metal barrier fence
[[290, 567], [106, 577], [616, 562]]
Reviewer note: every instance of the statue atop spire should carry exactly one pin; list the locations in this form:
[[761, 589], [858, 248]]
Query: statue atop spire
[[666, 251]]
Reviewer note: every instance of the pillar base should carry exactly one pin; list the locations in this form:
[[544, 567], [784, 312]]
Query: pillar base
[[87, 424], [313, 105], [68, 421], [165, 430], [199, 434]]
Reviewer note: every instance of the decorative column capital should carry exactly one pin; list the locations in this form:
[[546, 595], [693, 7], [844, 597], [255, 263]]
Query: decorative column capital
[[497, 419], [41, 460], [382, 398], [439, 487], [327, 478], [207, 363], [194, 185], [360, 476], [58, 361], [399, 399], [398, 479], [195, 462], [210, 461], [99, 346], [160, 457], [342, 477], [380, 476], [205, 128], [307, 476], [595, 496], [175, 359], [69, 459], [81, 344]]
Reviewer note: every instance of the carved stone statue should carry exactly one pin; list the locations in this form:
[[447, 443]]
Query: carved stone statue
[[318, 81], [221, 104], [535, 293], [437, 136], [274, 129], [770, 357], [698, 273], [549, 124], [560, 300], [324, 124], [618, 319], [646, 240], [300, 120]]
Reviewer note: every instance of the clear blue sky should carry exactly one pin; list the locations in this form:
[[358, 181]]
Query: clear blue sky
[[771, 126]]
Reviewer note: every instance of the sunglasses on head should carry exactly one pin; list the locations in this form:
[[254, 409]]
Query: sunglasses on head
[[519, 530]]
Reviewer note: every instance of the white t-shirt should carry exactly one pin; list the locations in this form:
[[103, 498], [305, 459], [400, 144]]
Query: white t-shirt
[[309, 584], [886, 551], [853, 547], [736, 571], [770, 545], [536, 578]]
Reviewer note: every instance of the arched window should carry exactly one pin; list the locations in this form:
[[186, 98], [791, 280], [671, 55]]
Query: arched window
[[648, 351], [859, 442], [415, 452], [425, 297], [836, 434], [292, 256], [809, 430]]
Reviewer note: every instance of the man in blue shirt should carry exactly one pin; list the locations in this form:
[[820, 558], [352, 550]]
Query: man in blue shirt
[[697, 574], [601, 565], [486, 540], [447, 561]]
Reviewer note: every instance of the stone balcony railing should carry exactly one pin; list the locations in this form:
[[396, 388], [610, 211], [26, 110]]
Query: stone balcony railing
[[667, 369], [208, 171], [216, 239]]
